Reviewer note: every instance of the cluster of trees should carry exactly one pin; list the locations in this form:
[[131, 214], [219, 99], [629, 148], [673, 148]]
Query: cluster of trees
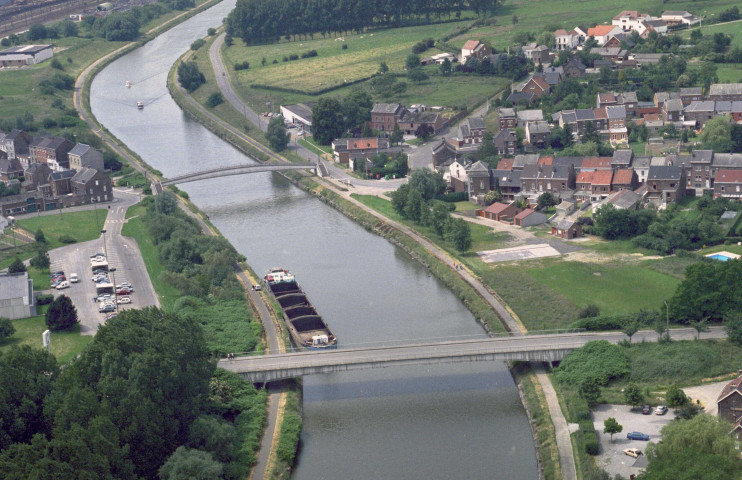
[[709, 292], [200, 267], [260, 21], [510, 66], [720, 134], [124, 26], [276, 133], [332, 117], [614, 224], [143, 401], [384, 164], [416, 201]]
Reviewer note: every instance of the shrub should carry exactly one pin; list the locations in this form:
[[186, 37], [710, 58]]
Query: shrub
[[242, 66], [211, 31], [592, 447], [17, 266], [44, 299], [597, 360], [197, 44], [675, 397], [41, 260], [67, 239], [590, 310], [604, 322], [345, 46], [293, 56], [214, 99], [310, 54], [6, 328]]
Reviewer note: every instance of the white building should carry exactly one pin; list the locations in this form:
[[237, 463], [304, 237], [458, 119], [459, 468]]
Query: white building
[[16, 296], [25, 55]]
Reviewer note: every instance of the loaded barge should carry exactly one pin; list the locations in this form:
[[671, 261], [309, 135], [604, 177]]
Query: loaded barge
[[307, 328]]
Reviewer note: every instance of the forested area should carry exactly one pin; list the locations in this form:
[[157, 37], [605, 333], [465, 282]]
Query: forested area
[[264, 21], [142, 401]]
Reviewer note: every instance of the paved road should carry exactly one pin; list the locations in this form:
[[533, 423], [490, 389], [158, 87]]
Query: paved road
[[123, 255]]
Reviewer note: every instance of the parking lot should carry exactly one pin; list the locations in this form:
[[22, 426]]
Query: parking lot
[[611, 458], [122, 255]]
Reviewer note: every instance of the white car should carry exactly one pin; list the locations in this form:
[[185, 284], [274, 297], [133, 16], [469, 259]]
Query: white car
[[63, 285], [124, 300], [74, 278], [97, 259]]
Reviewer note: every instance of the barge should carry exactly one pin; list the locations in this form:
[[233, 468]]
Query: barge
[[306, 327]]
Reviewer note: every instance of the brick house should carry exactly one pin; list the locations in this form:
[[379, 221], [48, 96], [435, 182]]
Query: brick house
[[84, 156], [10, 168], [537, 134], [665, 184], [536, 86], [625, 179], [347, 148], [567, 229], [471, 131], [689, 95], [501, 212], [601, 184], [60, 182], [15, 143], [384, 116], [728, 184], [36, 174], [729, 404], [507, 118], [508, 181], [476, 49], [51, 151], [479, 180], [584, 185], [725, 91], [574, 68], [536, 53], [700, 174], [505, 142], [92, 185], [672, 110], [700, 112]]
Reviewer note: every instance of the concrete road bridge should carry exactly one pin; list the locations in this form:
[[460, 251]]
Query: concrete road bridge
[[530, 348], [234, 170]]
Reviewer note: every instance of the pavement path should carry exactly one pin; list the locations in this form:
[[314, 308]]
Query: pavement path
[[561, 428]]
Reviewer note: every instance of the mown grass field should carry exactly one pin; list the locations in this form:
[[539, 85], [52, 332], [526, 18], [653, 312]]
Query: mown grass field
[[65, 345], [534, 16], [616, 289], [81, 226]]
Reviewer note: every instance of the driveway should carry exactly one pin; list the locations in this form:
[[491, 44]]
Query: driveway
[[611, 458], [123, 255], [707, 395]]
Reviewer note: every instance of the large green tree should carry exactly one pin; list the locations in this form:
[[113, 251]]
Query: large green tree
[[187, 464], [429, 183], [189, 76], [709, 290], [277, 135], [62, 314], [327, 121], [691, 449]]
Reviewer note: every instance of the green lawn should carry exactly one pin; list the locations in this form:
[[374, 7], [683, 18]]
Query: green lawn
[[613, 246], [466, 206], [40, 278], [616, 289], [483, 238], [82, 226], [65, 345], [135, 228], [730, 72], [316, 148]]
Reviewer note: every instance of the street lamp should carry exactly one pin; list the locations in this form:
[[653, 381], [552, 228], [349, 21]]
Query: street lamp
[[105, 250], [112, 271], [667, 309]]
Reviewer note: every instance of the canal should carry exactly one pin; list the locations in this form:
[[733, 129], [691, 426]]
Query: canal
[[444, 421]]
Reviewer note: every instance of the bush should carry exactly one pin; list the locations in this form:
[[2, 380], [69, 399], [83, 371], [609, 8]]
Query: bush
[[189, 76], [211, 31], [345, 46], [590, 310], [214, 99], [44, 299], [198, 44], [41, 260], [17, 266], [598, 360], [67, 239], [592, 447], [6, 328], [242, 66], [309, 54], [675, 397], [62, 314], [601, 323], [453, 197], [293, 56]]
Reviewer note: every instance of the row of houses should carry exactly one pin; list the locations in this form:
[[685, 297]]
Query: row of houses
[[57, 152], [663, 179]]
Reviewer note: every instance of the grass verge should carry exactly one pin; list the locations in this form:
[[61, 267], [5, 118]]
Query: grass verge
[[72, 227]]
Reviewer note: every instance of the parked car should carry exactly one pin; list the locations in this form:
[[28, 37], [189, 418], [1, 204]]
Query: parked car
[[107, 307], [646, 410], [97, 259], [56, 283], [257, 287], [660, 410], [56, 274], [633, 452], [124, 285], [124, 300], [106, 297], [124, 291], [101, 280], [99, 254], [74, 278], [111, 315], [62, 285], [637, 436]]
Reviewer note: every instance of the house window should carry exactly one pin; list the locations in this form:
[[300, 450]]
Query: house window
[[722, 188], [698, 168]]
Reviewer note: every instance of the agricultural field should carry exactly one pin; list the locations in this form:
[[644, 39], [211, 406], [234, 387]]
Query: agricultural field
[[536, 16], [335, 67]]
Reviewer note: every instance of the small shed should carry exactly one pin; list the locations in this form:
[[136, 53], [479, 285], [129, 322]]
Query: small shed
[[529, 218], [565, 208], [568, 229], [502, 212]]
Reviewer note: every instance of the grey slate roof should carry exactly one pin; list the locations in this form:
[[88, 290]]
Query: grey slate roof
[[702, 156], [385, 108], [576, 162], [506, 112], [625, 199], [691, 91], [728, 160], [30, 49], [475, 122], [530, 115], [13, 286], [583, 114], [80, 149], [702, 106], [507, 178], [664, 173], [479, 169], [84, 175], [616, 111], [62, 175], [565, 224], [521, 161], [674, 105], [516, 97], [622, 157], [538, 127], [725, 89], [641, 162]]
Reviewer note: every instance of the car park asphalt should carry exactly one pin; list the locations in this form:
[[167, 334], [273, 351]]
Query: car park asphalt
[[123, 255]]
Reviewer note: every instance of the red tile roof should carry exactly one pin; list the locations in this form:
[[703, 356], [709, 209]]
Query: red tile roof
[[623, 176], [545, 160], [600, 113], [363, 143], [585, 177], [505, 164], [606, 97], [543, 84], [600, 30], [730, 387], [596, 162], [729, 176], [559, 32], [602, 177], [497, 207], [471, 44], [525, 213]]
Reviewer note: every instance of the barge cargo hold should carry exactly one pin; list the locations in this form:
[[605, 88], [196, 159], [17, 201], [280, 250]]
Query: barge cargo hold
[[306, 327]]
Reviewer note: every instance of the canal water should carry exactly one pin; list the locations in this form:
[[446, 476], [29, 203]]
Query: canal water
[[424, 422]]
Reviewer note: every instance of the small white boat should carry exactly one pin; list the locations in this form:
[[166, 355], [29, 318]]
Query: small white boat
[[140, 105], [128, 84]]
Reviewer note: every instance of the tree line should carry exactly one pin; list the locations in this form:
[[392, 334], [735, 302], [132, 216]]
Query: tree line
[[264, 21]]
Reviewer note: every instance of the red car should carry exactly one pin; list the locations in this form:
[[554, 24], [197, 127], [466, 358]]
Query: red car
[[123, 291]]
